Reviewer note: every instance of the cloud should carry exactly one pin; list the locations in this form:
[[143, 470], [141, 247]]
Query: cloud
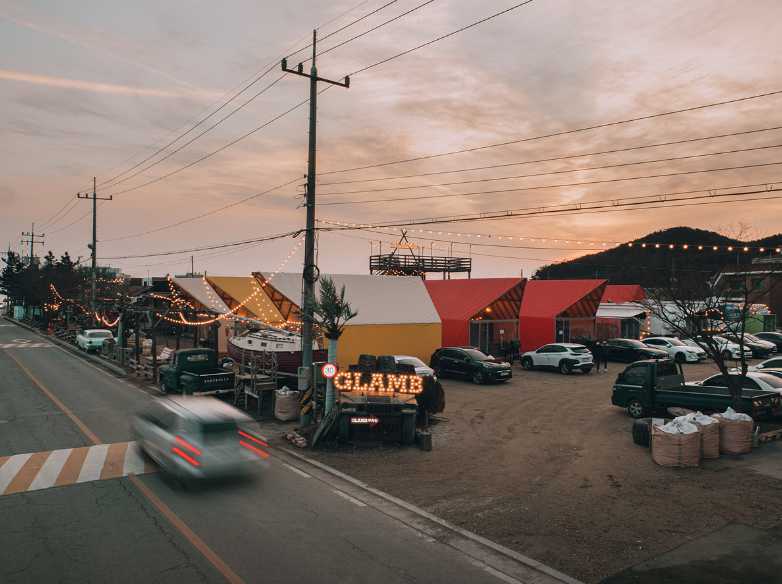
[[90, 86]]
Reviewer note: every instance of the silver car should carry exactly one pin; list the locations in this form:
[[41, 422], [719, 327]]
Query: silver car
[[192, 438]]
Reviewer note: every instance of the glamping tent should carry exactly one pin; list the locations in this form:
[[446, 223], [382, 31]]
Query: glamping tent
[[396, 316], [481, 312], [619, 293], [558, 311], [247, 292]]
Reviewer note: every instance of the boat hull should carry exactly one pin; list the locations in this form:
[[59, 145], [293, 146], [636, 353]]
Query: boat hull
[[287, 361]]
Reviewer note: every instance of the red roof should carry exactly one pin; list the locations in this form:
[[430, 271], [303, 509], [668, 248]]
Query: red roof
[[461, 299], [551, 298], [623, 293]]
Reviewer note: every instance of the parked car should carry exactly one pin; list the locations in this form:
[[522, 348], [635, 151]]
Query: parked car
[[773, 363], [192, 438], [752, 380], [676, 349], [566, 357], [470, 363], [647, 386], [771, 337], [760, 349], [421, 368], [629, 350], [728, 348], [195, 372], [92, 339]]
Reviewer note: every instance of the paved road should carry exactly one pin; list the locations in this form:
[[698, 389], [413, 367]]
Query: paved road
[[290, 525]]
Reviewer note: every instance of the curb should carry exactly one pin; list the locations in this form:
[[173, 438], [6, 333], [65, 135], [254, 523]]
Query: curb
[[473, 537], [114, 369]]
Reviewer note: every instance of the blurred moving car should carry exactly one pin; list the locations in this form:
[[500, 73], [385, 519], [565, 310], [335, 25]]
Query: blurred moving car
[[92, 339], [420, 367], [470, 363], [566, 357], [759, 348], [629, 350], [193, 438], [771, 337], [677, 350], [752, 380]]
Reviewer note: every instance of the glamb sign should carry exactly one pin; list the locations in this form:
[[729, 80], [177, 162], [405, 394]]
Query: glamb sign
[[379, 382]]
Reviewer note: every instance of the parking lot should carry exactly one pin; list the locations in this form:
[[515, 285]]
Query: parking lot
[[546, 465]]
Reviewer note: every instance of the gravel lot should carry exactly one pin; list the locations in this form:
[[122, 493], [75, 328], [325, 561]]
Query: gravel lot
[[545, 465]]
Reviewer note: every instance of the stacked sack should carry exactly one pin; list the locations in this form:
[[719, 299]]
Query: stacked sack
[[709, 428], [286, 404], [676, 444], [735, 432]]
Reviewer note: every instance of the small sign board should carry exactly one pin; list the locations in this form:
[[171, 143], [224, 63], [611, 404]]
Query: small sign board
[[329, 370]]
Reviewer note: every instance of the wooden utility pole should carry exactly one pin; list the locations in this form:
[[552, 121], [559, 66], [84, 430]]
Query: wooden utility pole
[[93, 247], [310, 274], [32, 241]]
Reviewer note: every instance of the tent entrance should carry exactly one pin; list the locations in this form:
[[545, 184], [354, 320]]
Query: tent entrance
[[493, 336], [574, 330]]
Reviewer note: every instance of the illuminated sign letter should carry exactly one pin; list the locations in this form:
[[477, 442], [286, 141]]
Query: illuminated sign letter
[[397, 383], [377, 382], [343, 381], [416, 384]]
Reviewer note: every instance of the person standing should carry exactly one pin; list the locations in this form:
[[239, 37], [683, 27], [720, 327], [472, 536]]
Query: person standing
[[599, 356]]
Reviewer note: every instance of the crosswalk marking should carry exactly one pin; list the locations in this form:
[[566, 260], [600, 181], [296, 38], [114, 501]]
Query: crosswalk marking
[[25, 345], [42, 470]]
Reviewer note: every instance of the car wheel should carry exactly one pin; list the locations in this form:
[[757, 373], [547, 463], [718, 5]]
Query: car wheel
[[636, 409], [565, 368], [680, 358], [478, 378], [527, 363]]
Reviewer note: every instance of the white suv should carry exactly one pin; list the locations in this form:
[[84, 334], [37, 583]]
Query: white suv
[[677, 350], [562, 356]]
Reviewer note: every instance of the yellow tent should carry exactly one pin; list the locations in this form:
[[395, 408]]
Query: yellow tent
[[246, 290], [396, 315]]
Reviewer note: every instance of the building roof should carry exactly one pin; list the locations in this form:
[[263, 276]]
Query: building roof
[[462, 299], [200, 290], [567, 298], [242, 288], [377, 299], [623, 293], [620, 310]]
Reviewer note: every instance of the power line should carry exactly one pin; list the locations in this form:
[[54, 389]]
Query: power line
[[555, 134], [208, 247], [532, 188], [202, 215], [552, 159], [555, 172], [71, 203]]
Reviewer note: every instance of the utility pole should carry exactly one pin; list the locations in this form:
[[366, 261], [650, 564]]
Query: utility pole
[[94, 246], [310, 273], [32, 235], [192, 266]]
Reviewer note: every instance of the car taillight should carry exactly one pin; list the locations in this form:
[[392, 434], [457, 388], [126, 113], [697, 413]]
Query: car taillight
[[187, 452], [252, 444]]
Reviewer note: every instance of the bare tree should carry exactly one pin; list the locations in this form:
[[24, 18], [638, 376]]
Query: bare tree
[[694, 304]]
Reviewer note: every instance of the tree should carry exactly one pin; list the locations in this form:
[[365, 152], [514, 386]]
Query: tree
[[704, 307], [332, 312]]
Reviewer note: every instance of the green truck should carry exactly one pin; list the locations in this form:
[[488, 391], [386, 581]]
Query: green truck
[[195, 372], [646, 386]]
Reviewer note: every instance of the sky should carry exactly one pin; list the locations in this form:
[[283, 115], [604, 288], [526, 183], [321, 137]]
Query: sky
[[94, 91]]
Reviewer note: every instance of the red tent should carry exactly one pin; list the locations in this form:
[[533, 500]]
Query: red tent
[[618, 293], [460, 301], [571, 302]]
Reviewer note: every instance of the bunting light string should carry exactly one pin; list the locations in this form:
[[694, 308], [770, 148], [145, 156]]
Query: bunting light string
[[105, 322], [535, 239], [232, 311]]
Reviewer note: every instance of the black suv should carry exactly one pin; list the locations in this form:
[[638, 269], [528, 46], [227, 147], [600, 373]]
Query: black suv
[[629, 350], [470, 363]]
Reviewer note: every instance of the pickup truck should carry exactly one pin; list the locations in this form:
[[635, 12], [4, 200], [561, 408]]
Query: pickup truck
[[646, 386], [195, 372]]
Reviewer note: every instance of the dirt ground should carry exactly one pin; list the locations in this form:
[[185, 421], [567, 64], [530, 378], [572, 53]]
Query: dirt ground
[[544, 464]]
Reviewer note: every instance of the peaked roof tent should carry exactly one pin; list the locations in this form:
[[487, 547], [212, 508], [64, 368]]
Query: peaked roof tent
[[242, 289], [201, 291], [377, 299], [465, 299], [619, 293], [620, 310]]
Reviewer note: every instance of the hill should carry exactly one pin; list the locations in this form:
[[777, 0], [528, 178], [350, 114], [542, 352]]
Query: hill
[[646, 266]]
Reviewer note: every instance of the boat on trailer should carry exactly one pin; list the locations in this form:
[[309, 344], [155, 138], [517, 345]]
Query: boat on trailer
[[286, 346]]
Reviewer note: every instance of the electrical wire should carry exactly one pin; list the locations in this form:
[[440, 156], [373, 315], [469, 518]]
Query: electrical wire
[[557, 172], [555, 186], [554, 158], [59, 215], [556, 134]]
